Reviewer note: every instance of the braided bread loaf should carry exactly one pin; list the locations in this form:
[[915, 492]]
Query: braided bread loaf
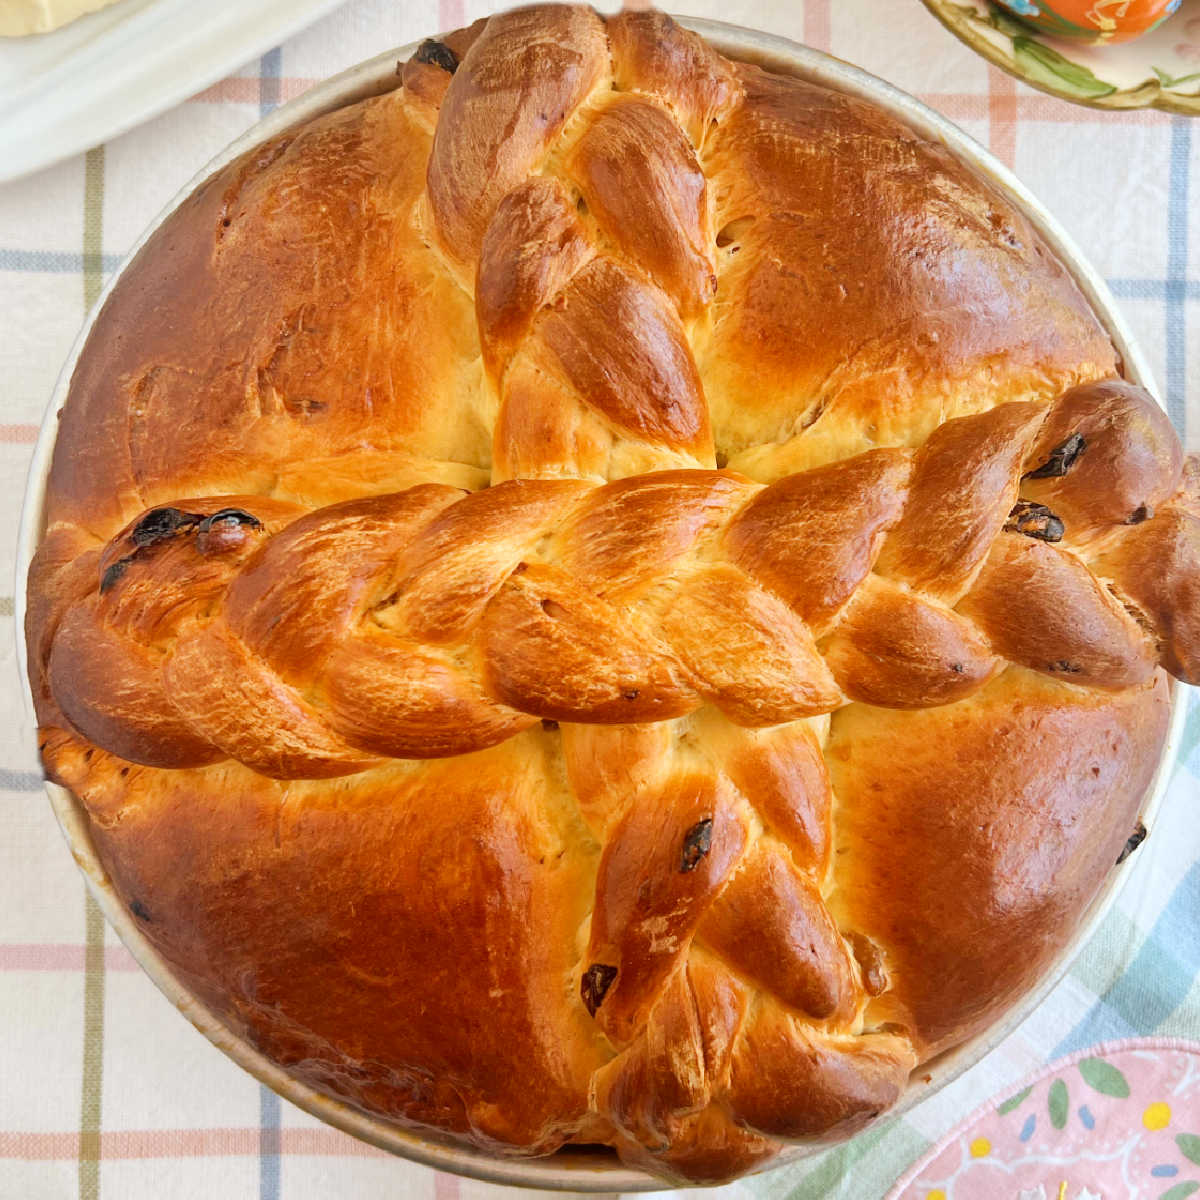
[[761, 730]]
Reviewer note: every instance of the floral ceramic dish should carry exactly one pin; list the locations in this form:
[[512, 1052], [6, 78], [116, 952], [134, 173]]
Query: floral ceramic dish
[[1119, 1119], [1159, 70]]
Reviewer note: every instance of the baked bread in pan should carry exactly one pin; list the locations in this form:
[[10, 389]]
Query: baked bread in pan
[[607, 595]]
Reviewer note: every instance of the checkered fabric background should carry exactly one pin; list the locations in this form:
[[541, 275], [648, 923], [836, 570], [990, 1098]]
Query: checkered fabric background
[[105, 1090]]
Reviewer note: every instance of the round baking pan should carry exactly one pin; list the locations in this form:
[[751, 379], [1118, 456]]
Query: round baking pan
[[587, 1169]]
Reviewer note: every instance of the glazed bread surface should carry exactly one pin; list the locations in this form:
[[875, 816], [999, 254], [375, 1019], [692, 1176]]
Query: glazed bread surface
[[606, 595]]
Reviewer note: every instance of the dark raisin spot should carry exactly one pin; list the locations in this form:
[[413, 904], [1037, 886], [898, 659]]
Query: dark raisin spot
[[438, 54], [957, 668], [1065, 666], [1135, 840], [124, 772], [1143, 512], [162, 523], [238, 516], [1035, 521], [140, 911], [696, 844], [549, 726], [594, 985], [110, 576], [1062, 458], [630, 693]]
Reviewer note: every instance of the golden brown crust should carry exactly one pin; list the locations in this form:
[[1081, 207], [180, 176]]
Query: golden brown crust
[[961, 853], [850, 732], [798, 954], [435, 623], [795, 1088], [940, 542], [639, 177], [655, 57], [863, 307], [1157, 566], [517, 86], [446, 936], [1125, 460], [251, 372]]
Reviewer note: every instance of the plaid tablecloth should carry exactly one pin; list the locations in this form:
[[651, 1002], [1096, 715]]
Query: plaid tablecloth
[[105, 1091]]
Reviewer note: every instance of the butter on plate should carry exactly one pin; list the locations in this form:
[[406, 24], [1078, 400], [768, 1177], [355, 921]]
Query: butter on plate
[[21, 17]]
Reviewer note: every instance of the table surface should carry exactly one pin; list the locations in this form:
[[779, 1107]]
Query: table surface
[[105, 1091]]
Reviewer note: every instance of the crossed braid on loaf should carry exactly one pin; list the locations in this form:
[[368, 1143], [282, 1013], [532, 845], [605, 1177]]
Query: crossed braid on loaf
[[667, 647], [433, 622]]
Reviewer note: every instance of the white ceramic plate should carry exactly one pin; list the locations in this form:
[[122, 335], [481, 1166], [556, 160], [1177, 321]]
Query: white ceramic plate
[[1158, 70], [63, 92], [573, 1168]]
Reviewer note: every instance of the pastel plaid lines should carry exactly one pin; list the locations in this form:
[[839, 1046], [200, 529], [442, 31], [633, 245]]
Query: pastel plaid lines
[[104, 1090]]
